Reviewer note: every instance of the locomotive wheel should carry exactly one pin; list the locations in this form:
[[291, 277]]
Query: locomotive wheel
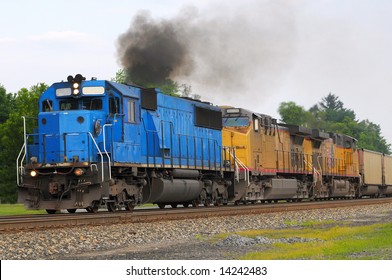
[[111, 207], [129, 206], [92, 209], [161, 205], [195, 203], [173, 205], [51, 211], [186, 204], [71, 210], [216, 199]]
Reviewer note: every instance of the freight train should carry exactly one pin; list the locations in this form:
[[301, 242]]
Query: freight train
[[100, 144]]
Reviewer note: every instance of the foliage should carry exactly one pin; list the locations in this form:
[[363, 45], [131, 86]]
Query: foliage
[[326, 242], [292, 113], [7, 103], [24, 103], [168, 86], [17, 209], [330, 115]]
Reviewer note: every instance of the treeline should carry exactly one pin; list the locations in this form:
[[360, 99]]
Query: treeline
[[12, 108], [330, 115]]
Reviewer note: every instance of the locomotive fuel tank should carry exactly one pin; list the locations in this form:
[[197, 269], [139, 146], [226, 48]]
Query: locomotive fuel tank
[[163, 191], [340, 188], [281, 189]]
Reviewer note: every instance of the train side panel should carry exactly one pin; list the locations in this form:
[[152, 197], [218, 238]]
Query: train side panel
[[387, 169], [371, 172]]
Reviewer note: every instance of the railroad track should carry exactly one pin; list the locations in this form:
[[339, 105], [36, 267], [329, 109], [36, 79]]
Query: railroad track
[[43, 222]]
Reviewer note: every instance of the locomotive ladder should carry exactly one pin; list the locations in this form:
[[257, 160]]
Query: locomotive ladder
[[317, 177], [237, 164]]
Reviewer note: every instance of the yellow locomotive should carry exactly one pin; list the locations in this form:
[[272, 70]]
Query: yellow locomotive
[[278, 161]]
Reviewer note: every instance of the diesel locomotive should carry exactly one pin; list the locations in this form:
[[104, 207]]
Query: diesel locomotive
[[102, 144]]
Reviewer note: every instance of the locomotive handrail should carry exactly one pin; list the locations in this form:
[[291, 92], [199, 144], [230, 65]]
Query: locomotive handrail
[[19, 168], [237, 162], [100, 154], [318, 173], [104, 148], [24, 147]]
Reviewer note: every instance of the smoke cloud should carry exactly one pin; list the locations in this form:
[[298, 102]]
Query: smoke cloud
[[225, 50]]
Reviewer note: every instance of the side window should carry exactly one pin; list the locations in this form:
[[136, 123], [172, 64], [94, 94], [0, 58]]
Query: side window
[[114, 105], [47, 105], [92, 104], [131, 111], [256, 124]]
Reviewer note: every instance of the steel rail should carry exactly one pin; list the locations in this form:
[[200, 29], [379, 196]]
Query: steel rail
[[44, 222]]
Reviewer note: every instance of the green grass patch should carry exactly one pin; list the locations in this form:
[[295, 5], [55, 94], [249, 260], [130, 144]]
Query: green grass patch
[[17, 209], [331, 243], [309, 223]]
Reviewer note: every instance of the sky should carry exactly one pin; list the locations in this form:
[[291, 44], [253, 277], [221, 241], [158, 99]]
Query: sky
[[251, 54]]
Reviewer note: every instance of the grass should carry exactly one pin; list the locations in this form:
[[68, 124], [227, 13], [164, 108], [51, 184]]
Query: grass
[[331, 242], [17, 209]]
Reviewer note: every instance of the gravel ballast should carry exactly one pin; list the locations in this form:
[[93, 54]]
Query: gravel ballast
[[184, 239]]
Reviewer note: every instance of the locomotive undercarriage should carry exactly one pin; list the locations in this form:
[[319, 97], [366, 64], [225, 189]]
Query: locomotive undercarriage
[[185, 187], [274, 188], [296, 188], [58, 188]]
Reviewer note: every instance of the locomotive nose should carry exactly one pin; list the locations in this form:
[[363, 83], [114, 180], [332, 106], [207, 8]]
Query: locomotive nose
[[76, 133]]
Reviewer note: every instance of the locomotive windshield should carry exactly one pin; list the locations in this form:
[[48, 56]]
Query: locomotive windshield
[[236, 121], [81, 104]]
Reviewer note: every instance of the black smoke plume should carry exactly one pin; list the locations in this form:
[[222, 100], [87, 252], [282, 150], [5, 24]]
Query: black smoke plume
[[220, 50], [153, 51]]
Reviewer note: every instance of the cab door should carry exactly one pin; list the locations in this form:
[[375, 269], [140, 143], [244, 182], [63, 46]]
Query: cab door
[[132, 138], [114, 131]]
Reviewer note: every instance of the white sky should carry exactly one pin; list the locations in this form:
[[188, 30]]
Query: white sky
[[339, 46]]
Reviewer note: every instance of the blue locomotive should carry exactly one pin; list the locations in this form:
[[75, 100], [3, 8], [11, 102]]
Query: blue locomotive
[[100, 143]]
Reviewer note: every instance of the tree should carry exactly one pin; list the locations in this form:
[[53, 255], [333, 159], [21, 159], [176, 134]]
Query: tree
[[121, 77], [334, 110], [7, 102], [168, 86], [291, 113], [330, 115], [11, 138]]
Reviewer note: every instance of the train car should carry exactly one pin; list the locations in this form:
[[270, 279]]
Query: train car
[[262, 153], [289, 162], [100, 143], [376, 174], [387, 170]]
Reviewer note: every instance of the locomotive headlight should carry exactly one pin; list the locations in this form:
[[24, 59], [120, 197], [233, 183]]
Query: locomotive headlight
[[33, 173], [76, 83], [79, 171]]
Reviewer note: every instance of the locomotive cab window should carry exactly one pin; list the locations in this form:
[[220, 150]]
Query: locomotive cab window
[[92, 104], [131, 111], [114, 105], [71, 104], [47, 105], [236, 121], [256, 124]]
